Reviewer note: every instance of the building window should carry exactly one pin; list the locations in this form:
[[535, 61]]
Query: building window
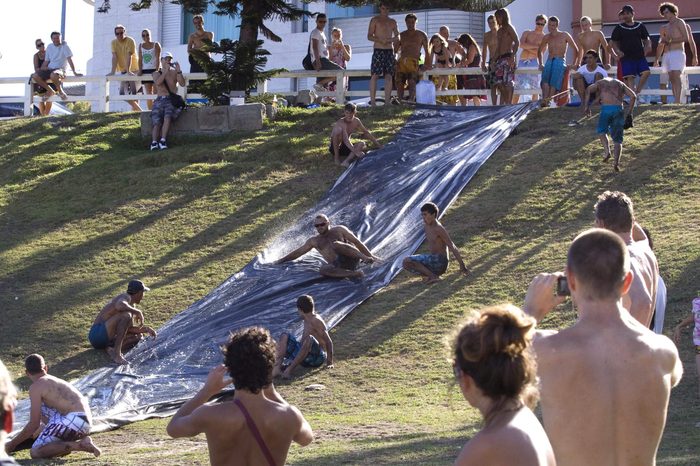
[[223, 27], [335, 11]]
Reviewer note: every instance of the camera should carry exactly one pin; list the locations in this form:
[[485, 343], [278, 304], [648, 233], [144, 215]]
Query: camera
[[563, 287]]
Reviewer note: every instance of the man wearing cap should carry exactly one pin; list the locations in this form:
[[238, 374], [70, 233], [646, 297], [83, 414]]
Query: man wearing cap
[[119, 325], [630, 41], [164, 112]]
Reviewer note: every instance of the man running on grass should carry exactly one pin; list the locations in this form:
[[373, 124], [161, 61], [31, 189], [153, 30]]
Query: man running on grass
[[339, 247], [432, 265], [258, 426], [65, 412], [119, 325], [612, 116], [312, 350]]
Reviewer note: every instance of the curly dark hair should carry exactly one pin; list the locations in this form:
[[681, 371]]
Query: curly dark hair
[[494, 348], [249, 356], [616, 211]]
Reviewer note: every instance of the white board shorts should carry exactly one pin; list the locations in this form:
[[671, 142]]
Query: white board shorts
[[60, 428], [673, 60]]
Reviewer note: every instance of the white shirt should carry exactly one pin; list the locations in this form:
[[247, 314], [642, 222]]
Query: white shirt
[[322, 44], [589, 76], [57, 56]]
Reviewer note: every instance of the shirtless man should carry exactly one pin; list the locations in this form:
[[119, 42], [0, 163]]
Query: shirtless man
[[612, 116], [588, 39], [340, 137], [530, 42], [672, 39], [164, 112], [631, 42], [384, 32], [489, 48], [341, 249], [196, 42], [432, 265], [507, 47], [119, 325], [614, 212], [605, 381], [64, 411], [312, 350], [258, 426], [411, 41], [554, 71]]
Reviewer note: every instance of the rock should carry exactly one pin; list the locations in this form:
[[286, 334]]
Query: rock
[[306, 97], [315, 387]]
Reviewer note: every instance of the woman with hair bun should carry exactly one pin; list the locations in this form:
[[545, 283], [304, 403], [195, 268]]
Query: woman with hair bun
[[495, 369]]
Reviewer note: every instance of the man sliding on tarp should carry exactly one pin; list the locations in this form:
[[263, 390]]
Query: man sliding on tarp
[[338, 246]]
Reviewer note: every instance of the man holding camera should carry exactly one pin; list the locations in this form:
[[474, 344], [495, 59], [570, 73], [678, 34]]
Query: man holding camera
[[606, 380], [164, 112]]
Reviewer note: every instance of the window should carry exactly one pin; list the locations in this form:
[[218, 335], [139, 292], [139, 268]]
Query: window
[[223, 27], [335, 11]]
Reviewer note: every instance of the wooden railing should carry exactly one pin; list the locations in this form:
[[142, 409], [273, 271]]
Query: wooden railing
[[101, 99]]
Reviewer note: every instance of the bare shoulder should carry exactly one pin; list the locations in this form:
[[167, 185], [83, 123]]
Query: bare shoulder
[[221, 415], [340, 230]]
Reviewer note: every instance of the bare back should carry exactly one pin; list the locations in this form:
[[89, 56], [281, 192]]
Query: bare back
[[641, 298], [60, 395], [605, 390], [315, 326], [611, 91], [112, 308], [231, 442]]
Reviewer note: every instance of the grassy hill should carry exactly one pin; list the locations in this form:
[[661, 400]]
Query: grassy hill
[[84, 208]]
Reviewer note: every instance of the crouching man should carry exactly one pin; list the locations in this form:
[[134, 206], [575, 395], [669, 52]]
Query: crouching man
[[63, 409], [258, 426]]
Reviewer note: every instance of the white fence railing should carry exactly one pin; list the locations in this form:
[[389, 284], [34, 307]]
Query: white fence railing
[[101, 98]]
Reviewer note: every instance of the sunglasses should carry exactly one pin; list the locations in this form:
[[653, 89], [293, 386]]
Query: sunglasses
[[39, 45], [118, 33], [540, 24], [319, 225], [145, 35]]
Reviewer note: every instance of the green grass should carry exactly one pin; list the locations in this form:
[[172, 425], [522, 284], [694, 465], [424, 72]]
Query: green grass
[[84, 207]]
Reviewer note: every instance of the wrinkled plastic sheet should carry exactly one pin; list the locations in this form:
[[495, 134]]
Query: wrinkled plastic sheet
[[432, 158]]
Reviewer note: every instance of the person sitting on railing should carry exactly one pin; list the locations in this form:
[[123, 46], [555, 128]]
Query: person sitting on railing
[[411, 41], [318, 52], [39, 57], [340, 54], [149, 61], [124, 61], [54, 66]]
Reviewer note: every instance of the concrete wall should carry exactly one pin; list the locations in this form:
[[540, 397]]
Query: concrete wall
[[212, 120]]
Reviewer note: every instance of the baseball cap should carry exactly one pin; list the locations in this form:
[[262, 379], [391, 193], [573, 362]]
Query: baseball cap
[[166, 55], [627, 9], [136, 286]]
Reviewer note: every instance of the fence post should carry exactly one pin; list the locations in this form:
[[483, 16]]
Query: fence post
[[28, 99], [102, 91], [340, 87]]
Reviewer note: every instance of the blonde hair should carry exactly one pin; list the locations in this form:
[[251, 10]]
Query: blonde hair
[[339, 31]]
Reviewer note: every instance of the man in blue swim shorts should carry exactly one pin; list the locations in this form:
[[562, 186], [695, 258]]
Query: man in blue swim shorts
[[554, 71], [631, 42], [612, 115], [314, 347], [119, 325], [434, 264]]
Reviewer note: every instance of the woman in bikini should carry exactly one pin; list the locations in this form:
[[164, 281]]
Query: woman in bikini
[[439, 53]]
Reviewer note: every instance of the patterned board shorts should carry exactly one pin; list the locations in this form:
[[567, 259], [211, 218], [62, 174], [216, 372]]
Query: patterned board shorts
[[504, 71], [525, 80], [60, 428], [316, 355], [383, 62], [163, 108], [436, 263], [407, 69]]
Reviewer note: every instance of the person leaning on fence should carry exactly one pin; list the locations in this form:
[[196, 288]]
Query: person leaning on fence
[[496, 372], [125, 62], [149, 61], [58, 54], [39, 58], [472, 59], [165, 111]]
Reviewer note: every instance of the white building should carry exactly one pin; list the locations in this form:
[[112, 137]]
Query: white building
[[171, 26]]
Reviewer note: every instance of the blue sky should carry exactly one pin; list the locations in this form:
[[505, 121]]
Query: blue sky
[[28, 20]]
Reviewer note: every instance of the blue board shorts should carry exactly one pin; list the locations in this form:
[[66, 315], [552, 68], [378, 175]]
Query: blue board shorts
[[436, 263], [553, 73], [612, 121], [99, 339], [634, 66], [316, 355]]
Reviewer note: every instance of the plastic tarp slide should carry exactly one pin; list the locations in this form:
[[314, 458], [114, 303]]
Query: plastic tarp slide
[[432, 158]]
